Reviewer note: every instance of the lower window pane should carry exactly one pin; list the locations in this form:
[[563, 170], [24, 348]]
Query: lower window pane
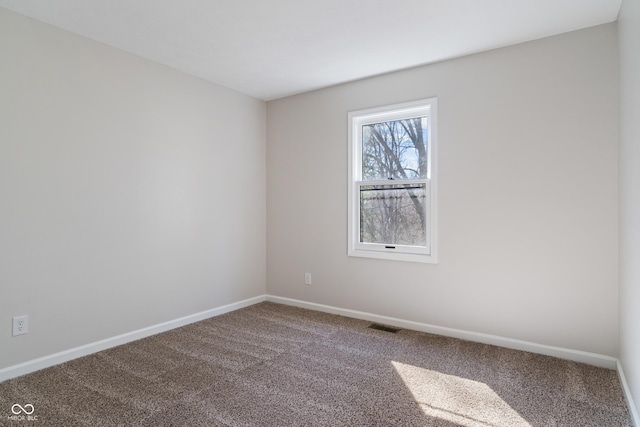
[[393, 214]]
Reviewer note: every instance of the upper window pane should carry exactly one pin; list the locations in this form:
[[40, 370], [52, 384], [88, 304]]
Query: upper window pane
[[395, 149]]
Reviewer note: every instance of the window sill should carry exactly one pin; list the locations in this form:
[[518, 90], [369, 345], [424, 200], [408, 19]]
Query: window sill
[[394, 256]]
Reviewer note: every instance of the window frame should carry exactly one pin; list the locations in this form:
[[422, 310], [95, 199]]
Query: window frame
[[358, 119]]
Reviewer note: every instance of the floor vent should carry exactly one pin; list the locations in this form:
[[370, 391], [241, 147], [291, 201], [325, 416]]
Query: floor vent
[[384, 328]]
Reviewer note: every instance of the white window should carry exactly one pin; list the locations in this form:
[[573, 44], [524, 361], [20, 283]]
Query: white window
[[392, 182]]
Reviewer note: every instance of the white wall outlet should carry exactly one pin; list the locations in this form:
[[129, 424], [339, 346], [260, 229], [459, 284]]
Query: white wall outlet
[[20, 325], [307, 278]]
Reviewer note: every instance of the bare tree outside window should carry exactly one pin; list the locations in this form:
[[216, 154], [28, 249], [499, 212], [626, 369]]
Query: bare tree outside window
[[394, 213]]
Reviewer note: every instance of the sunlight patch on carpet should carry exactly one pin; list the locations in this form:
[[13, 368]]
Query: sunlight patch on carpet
[[458, 400]]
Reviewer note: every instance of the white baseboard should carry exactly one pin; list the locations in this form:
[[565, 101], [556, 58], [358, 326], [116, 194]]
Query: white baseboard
[[633, 411], [563, 353], [84, 350]]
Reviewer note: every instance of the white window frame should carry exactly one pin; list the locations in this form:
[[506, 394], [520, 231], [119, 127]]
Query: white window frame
[[357, 119]]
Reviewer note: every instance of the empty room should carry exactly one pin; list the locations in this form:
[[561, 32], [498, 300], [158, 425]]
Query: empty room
[[320, 213]]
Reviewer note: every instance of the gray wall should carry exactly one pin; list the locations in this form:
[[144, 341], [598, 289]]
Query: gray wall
[[528, 219], [130, 194], [629, 42]]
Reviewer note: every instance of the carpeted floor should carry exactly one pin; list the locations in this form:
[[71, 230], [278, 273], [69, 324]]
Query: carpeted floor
[[274, 365]]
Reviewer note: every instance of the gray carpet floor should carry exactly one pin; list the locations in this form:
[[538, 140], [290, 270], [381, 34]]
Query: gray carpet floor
[[275, 365]]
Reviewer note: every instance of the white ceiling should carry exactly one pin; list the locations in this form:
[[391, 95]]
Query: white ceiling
[[274, 48]]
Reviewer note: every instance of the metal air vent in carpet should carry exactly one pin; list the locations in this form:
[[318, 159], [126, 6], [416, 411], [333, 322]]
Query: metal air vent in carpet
[[383, 328]]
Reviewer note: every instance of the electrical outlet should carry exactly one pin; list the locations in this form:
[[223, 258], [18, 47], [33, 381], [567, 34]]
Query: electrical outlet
[[20, 325], [307, 278]]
